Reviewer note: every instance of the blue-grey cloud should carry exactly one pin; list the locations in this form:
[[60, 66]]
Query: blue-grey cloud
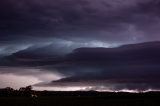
[[133, 66]]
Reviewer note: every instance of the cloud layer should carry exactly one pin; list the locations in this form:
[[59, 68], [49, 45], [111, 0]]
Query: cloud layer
[[67, 37], [119, 21], [134, 67]]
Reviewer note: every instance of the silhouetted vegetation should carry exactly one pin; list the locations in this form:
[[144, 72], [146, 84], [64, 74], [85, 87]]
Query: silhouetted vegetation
[[28, 97]]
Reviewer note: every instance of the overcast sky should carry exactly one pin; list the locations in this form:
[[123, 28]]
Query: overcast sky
[[78, 43]]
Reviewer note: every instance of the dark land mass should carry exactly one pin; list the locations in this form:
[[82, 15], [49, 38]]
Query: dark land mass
[[23, 97]]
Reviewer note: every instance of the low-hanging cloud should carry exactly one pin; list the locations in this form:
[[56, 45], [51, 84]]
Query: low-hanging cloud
[[134, 67]]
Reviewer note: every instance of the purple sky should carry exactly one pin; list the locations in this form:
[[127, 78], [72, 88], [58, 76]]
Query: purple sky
[[39, 41]]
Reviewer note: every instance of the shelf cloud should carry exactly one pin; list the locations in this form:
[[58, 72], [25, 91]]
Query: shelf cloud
[[92, 43]]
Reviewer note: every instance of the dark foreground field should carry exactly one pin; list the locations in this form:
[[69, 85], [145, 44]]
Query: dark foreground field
[[81, 99]]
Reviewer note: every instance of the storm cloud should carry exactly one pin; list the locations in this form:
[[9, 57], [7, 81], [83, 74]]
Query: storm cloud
[[134, 67], [93, 43], [119, 21]]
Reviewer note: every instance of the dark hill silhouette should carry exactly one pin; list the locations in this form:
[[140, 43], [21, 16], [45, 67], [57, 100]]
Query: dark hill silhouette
[[10, 97]]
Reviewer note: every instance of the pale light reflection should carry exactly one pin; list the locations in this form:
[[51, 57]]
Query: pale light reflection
[[130, 91], [59, 88], [21, 77], [15, 81]]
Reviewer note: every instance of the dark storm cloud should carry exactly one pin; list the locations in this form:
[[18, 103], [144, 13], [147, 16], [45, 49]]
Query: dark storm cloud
[[131, 66], [134, 67], [41, 34], [79, 20]]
